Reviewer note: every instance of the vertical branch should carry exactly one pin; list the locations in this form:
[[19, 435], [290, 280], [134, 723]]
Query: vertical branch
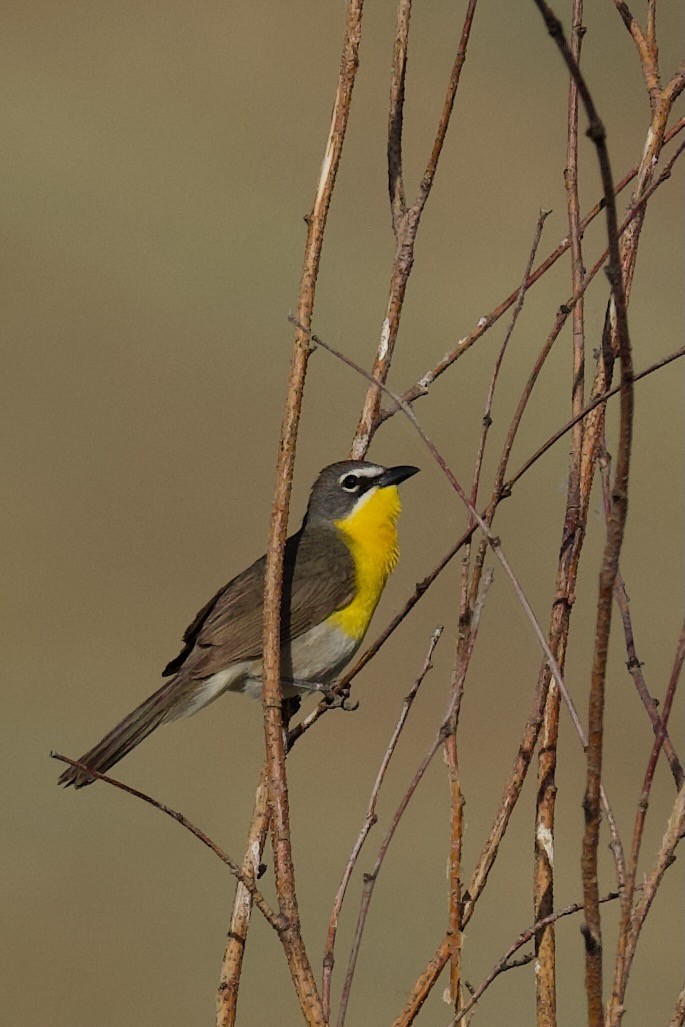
[[660, 103], [487, 413], [572, 540], [675, 830], [629, 926], [274, 728], [591, 802], [454, 928], [273, 719], [468, 592], [633, 663], [678, 1018], [370, 820], [398, 202], [405, 224], [441, 735], [231, 967]]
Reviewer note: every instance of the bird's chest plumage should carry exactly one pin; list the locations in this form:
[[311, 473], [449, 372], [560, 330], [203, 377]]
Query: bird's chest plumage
[[371, 537]]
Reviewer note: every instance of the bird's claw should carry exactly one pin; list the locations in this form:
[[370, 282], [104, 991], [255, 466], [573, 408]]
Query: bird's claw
[[339, 700]]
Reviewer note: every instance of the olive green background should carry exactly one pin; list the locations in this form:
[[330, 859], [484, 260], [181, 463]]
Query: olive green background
[[157, 161]]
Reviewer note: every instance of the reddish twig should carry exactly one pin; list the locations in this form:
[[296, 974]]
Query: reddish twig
[[678, 1018], [422, 386], [398, 202], [591, 802], [518, 307], [598, 401], [601, 389], [524, 937], [493, 540], [675, 830], [231, 965], [300, 968], [245, 881], [406, 220], [573, 534], [370, 820], [466, 602], [630, 924], [443, 731], [633, 663]]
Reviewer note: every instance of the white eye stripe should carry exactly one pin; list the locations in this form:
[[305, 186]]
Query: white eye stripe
[[370, 471]]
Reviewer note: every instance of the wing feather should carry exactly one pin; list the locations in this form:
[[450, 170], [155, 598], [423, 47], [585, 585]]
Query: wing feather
[[318, 571]]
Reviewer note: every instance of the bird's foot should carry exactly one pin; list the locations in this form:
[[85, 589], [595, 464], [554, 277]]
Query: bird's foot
[[338, 699]]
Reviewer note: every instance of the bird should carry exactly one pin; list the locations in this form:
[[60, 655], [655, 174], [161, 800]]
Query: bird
[[334, 571]]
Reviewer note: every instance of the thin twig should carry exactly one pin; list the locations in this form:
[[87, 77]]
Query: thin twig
[[573, 534], [406, 224], [591, 802], [271, 918], [371, 877], [423, 586], [370, 820], [634, 664], [675, 830], [601, 392], [678, 1018], [596, 402], [422, 386], [629, 927], [504, 963], [518, 307], [231, 965], [398, 202], [274, 734], [494, 541]]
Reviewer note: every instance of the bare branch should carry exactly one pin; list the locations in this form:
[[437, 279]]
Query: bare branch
[[678, 1018], [675, 830], [421, 388], [369, 821], [630, 924], [231, 965], [371, 877], [634, 665], [398, 202], [591, 804], [524, 937], [518, 306], [406, 228], [573, 535], [596, 402], [272, 918], [274, 734]]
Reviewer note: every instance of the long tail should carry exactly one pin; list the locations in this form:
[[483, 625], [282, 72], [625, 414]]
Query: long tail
[[121, 739]]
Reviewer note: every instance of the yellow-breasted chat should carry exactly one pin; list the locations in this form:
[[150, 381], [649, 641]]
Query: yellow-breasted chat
[[334, 571]]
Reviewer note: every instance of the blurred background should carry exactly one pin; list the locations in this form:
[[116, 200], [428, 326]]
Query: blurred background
[[156, 167]]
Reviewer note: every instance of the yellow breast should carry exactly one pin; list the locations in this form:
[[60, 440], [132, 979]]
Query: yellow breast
[[371, 535]]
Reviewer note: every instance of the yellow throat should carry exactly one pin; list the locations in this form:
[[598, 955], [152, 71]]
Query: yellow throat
[[371, 537]]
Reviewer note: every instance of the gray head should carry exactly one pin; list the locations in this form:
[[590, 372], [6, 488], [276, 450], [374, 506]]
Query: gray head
[[341, 487]]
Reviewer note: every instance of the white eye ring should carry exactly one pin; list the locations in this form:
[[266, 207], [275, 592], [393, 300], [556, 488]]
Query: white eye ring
[[350, 483]]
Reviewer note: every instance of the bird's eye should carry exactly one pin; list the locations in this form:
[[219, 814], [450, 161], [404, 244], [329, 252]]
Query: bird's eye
[[350, 483]]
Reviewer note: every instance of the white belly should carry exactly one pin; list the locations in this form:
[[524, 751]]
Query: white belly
[[315, 658]]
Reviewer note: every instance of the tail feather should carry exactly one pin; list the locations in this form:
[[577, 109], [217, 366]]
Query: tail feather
[[121, 739]]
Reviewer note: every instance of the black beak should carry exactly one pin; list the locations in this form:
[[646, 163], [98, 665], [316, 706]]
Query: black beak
[[394, 475]]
